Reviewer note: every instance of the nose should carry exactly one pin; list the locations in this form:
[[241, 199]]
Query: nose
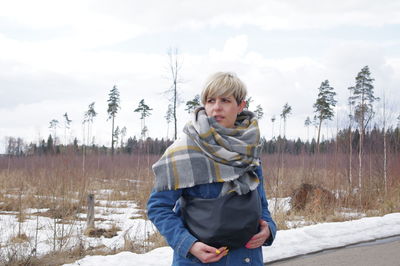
[[217, 105]]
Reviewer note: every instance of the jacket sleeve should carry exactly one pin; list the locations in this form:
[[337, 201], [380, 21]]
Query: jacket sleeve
[[160, 210], [266, 215]]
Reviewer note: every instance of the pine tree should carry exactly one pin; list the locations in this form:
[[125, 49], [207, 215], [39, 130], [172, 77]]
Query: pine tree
[[143, 132], [307, 123], [117, 132], [286, 111], [259, 112], [248, 102], [398, 121], [89, 115], [67, 123], [50, 144], [273, 118], [123, 134], [191, 105], [323, 106], [168, 117], [362, 97], [54, 126], [144, 111], [113, 106]]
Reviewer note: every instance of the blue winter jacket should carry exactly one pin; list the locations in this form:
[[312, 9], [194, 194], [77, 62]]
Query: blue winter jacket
[[164, 211]]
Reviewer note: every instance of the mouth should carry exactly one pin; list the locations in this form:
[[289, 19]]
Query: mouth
[[219, 118]]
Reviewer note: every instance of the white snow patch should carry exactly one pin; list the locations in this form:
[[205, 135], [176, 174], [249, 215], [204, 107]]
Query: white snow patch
[[288, 243]]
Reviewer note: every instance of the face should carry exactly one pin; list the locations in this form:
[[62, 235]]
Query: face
[[224, 109]]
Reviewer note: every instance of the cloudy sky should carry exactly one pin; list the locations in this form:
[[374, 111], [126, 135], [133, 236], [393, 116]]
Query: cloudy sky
[[60, 56]]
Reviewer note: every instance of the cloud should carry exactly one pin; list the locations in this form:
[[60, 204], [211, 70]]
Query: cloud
[[268, 15], [90, 20], [58, 57], [235, 47]]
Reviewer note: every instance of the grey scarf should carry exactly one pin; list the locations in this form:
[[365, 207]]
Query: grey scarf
[[209, 152]]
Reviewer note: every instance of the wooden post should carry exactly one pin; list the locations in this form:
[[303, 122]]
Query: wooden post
[[90, 211]]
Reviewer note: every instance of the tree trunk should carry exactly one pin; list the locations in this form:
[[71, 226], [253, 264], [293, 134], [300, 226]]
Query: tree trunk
[[384, 145], [167, 130], [319, 132], [83, 150], [8, 164], [360, 152], [175, 120], [90, 211], [350, 158], [273, 123], [112, 137]]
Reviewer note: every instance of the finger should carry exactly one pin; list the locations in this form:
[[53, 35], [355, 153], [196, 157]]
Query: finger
[[215, 258], [210, 249], [211, 257], [257, 236], [221, 249], [253, 245]]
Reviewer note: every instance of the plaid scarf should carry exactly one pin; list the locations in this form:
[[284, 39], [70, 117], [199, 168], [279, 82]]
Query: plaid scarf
[[209, 152]]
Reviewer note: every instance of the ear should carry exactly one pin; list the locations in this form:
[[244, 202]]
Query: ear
[[242, 105]]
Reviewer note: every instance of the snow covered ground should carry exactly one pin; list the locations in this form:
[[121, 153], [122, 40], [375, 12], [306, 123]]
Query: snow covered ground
[[288, 243], [43, 234]]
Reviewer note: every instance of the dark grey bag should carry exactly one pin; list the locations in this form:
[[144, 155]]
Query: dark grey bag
[[230, 220]]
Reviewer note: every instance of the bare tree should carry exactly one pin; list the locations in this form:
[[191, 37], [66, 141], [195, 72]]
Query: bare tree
[[174, 65]]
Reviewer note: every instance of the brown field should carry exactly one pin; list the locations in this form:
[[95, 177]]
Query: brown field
[[60, 184]]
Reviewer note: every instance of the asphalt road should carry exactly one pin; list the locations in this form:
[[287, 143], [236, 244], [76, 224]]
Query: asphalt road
[[381, 254]]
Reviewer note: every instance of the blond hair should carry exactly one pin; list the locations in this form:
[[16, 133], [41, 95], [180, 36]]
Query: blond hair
[[224, 84]]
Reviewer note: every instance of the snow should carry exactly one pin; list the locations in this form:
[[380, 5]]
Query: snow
[[288, 243], [43, 234], [279, 204], [41, 229]]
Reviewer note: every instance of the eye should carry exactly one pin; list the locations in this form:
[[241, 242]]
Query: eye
[[210, 100], [226, 100]]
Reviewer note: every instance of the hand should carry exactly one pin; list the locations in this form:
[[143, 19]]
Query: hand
[[206, 253], [258, 239]]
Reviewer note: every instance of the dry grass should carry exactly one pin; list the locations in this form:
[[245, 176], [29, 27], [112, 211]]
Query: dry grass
[[20, 238], [331, 173], [99, 232]]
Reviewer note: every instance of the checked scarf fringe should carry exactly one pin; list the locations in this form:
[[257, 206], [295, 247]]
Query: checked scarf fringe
[[209, 152]]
